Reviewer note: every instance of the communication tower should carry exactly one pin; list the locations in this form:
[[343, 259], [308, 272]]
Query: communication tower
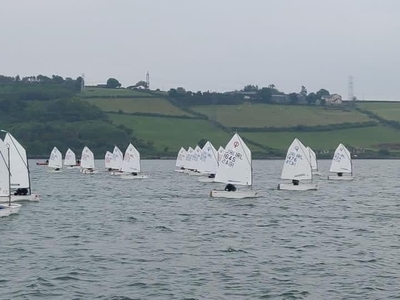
[[351, 89], [148, 80]]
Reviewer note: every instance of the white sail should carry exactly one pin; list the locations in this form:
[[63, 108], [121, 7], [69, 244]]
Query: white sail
[[108, 160], [55, 159], [118, 158], [221, 152], [235, 166], [131, 161], [4, 171], [87, 159], [70, 158], [18, 163], [341, 162], [313, 159], [188, 158], [195, 158], [208, 162], [297, 162], [180, 159]]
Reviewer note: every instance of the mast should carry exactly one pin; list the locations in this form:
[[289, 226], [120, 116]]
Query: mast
[[9, 176]]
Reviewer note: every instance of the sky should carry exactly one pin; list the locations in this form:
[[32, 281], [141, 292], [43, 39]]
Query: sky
[[215, 45]]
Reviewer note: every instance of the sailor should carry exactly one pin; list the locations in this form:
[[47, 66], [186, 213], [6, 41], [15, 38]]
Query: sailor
[[211, 176], [57, 169], [230, 188], [47, 161], [295, 182], [340, 174], [21, 191], [134, 173]]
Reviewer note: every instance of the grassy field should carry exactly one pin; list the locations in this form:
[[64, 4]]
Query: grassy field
[[170, 132], [264, 115], [366, 137], [111, 93], [385, 110], [142, 105]]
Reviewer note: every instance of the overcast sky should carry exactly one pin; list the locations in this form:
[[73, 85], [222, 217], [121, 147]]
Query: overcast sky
[[215, 45]]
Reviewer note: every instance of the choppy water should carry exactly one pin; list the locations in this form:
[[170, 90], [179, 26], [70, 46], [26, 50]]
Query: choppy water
[[100, 237]]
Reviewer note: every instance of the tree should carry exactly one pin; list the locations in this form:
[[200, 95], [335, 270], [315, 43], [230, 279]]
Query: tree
[[141, 83], [113, 83], [250, 88], [266, 95], [311, 98], [322, 92], [293, 98]]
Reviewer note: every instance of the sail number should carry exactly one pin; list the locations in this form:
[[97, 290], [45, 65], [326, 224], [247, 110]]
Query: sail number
[[230, 157], [338, 157], [292, 158]]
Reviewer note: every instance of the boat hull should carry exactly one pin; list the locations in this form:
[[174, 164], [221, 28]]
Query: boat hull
[[54, 171], [116, 173], [191, 173], [73, 167], [233, 195], [4, 211], [300, 187], [130, 176], [39, 163], [13, 208], [206, 179], [317, 173], [180, 171], [341, 178], [86, 171], [21, 198]]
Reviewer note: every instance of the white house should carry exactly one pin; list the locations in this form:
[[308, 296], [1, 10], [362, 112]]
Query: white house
[[334, 99]]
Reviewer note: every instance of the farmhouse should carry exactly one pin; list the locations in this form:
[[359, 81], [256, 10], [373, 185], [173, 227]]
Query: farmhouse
[[334, 99]]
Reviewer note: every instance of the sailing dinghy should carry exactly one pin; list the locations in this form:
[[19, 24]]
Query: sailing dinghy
[[188, 160], [195, 163], [297, 167], [116, 165], [70, 160], [313, 162], [21, 187], [55, 161], [5, 182], [341, 164], [131, 164], [235, 168], [180, 160], [108, 160], [208, 162], [87, 161]]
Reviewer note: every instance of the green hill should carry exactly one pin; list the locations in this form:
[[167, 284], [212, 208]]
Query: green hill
[[53, 112]]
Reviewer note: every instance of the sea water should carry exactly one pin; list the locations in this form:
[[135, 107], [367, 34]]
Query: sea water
[[101, 237]]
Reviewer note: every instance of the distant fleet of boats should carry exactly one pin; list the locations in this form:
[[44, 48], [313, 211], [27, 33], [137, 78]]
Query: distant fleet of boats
[[232, 165]]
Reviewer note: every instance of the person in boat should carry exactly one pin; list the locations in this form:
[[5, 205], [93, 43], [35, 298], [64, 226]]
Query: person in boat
[[340, 174], [182, 168], [230, 188], [57, 169], [78, 162], [21, 192], [47, 161], [134, 173], [90, 170], [109, 169], [295, 182], [211, 176]]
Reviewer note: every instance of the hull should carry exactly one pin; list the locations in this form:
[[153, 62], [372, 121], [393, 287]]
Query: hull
[[54, 171], [316, 173], [86, 171], [206, 179], [300, 187], [21, 198], [130, 176], [116, 173], [342, 178], [233, 195], [4, 211], [180, 171], [191, 173], [42, 163], [73, 167], [12, 209]]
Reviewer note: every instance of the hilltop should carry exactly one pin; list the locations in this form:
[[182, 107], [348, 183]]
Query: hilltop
[[45, 112]]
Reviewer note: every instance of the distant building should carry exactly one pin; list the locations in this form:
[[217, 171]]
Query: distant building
[[334, 99], [280, 99]]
